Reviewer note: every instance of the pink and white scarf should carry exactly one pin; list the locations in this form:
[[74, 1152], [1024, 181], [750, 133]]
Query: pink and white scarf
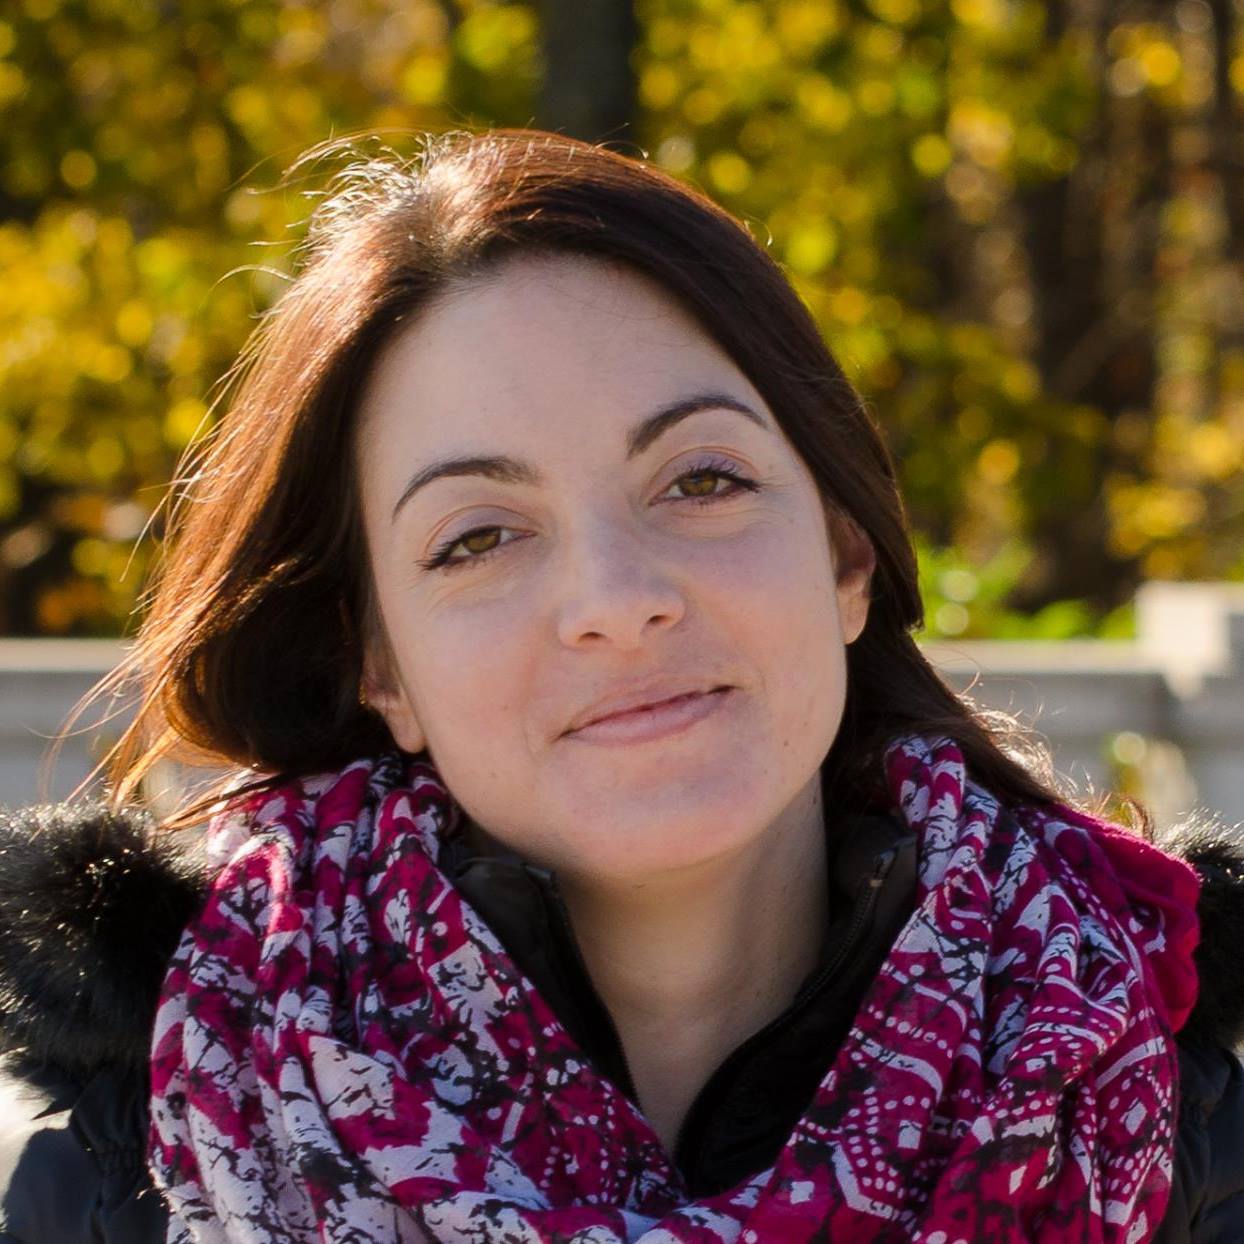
[[344, 1051]]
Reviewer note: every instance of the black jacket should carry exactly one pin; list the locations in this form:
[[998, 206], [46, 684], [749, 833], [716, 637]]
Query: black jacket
[[91, 907]]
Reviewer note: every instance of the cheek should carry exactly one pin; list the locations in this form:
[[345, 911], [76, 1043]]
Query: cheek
[[467, 680], [780, 577], [473, 687], [780, 602]]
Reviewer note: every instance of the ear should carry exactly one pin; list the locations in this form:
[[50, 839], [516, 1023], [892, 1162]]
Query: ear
[[383, 693], [855, 560]]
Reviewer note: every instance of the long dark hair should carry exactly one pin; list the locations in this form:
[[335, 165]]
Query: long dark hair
[[250, 654]]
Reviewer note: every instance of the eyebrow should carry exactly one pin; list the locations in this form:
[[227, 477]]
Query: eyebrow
[[508, 470]]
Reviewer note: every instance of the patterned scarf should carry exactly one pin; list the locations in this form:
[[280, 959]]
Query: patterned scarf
[[345, 1052]]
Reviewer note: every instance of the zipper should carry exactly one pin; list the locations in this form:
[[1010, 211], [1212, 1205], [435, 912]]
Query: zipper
[[864, 904], [867, 889]]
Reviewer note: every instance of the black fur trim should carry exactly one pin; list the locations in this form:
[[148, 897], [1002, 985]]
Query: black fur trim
[[1216, 851], [91, 907]]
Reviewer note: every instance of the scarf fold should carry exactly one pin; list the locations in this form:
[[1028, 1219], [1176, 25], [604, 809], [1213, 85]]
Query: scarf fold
[[344, 1051]]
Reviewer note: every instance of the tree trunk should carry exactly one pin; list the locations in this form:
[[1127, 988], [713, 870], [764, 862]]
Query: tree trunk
[[1228, 125], [589, 85], [1092, 240]]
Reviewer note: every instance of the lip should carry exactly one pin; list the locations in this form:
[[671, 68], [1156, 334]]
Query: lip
[[640, 695], [646, 722]]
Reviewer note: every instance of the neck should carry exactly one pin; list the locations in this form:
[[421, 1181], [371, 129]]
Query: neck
[[690, 965]]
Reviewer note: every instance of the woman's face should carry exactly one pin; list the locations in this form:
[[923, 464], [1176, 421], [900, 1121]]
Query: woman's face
[[575, 502]]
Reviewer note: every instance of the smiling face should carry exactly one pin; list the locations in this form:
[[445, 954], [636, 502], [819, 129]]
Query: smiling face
[[645, 529]]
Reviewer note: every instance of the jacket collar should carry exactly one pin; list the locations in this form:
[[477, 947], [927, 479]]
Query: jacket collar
[[745, 1110]]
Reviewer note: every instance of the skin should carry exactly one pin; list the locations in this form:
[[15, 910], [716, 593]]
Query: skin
[[693, 865]]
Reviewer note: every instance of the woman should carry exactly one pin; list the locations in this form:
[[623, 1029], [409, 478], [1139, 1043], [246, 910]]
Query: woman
[[611, 864]]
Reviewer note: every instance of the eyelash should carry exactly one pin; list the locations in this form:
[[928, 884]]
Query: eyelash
[[440, 559]]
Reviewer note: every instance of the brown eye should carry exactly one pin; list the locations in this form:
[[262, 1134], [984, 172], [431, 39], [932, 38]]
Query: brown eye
[[477, 545], [699, 483], [481, 541]]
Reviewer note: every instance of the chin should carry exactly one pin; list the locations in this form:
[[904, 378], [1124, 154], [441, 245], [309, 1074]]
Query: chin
[[662, 838]]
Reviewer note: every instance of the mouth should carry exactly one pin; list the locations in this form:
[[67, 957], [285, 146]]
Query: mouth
[[658, 720]]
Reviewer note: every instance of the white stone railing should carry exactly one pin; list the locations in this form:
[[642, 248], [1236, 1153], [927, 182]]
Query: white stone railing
[[1167, 706]]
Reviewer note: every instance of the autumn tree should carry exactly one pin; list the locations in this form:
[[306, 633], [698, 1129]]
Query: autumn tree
[[1020, 225]]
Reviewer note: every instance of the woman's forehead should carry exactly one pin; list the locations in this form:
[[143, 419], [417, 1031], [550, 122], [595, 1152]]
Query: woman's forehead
[[560, 301], [544, 343]]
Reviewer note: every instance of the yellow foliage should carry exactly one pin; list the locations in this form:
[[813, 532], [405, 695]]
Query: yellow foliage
[[1215, 453], [423, 80], [998, 462], [304, 33], [665, 35], [77, 169], [134, 323], [811, 246], [931, 154], [982, 131], [758, 135], [881, 43], [985, 13], [81, 513], [900, 12], [41, 10], [1151, 511], [247, 105], [972, 422], [729, 172], [849, 305], [1160, 62], [659, 85], [704, 46], [1020, 381], [105, 456], [113, 238], [109, 364], [208, 144], [488, 37], [875, 96], [184, 421], [807, 25], [822, 103], [12, 84], [301, 107], [10, 498], [186, 357], [703, 106]]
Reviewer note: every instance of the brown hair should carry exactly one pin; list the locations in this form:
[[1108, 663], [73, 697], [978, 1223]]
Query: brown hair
[[250, 653]]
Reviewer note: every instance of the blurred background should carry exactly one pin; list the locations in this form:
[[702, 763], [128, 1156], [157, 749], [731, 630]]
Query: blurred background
[[1020, 226]]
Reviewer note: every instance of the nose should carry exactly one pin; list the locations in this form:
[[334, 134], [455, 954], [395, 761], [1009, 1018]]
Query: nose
[[615, 589]]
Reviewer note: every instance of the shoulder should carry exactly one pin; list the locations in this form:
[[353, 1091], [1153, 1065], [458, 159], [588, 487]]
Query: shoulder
[[1207, 1196], [91, 906], [1207, 1201], [73, 1157]]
